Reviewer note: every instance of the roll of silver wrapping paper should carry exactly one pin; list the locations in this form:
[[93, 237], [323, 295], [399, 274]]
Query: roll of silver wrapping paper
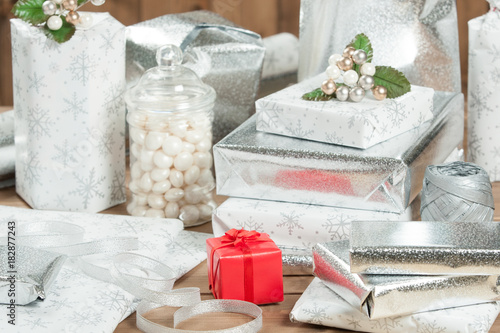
[[457, 191], [425, 248], [380, 296], [296, 261]]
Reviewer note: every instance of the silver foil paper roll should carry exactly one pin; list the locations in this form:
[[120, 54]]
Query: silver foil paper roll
[[426, 248], [418, 37], [384, 177], [380, 296], [35, 270], [225, 56], [296, 261], [457, 191]]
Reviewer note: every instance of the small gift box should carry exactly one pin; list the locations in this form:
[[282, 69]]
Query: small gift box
[[359, 125], [245, 265]]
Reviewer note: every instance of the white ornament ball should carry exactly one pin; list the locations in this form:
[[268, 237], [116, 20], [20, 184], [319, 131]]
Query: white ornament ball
[[342, 93], [366, 82], [49, 8], [86, 21], [351, 77], [332, 61], [98, 2], [333, 72], [54, 22], [367, 69], [359, 57], [357, 94]]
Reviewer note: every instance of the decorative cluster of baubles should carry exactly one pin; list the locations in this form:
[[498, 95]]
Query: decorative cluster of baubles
[[355, 86], [57, 8]]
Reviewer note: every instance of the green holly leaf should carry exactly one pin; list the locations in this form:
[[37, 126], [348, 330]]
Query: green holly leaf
[[62, 35], [318, 95], [30, 11], [82, 2], [395, 81], [362, 42]]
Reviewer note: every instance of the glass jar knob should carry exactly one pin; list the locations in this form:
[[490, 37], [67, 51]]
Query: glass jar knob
[[169, 56]]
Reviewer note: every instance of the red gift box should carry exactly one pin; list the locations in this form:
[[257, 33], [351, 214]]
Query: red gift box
[[245, 265]]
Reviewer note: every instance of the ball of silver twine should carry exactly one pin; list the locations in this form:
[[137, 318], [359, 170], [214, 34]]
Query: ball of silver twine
[[457, 191]]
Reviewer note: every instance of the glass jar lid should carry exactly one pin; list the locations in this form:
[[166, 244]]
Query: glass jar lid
[[169, 87]]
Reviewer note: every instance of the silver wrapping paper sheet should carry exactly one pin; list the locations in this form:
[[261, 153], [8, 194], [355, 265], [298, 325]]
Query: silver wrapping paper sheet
[[224, 56], [419, 37], [380, 296], [35, 270], [426, 248], [385, 177]]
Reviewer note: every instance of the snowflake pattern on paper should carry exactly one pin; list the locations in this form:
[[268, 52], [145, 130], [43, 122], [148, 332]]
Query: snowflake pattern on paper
[[65, 154], [36, 82], [397, 112], [39, 122], [113, 100], [478, 100], [82, 68], [316, 314], [338, 226], [431, 327], [475, 146], [75, 106], [271, 114], [117, 187], [105, 141], [495, 76], [112, 300], [296, 130], [386, 324], [290, 221], [251, 224], [88, 187], [86, 318], [31, 169], [494, 52]]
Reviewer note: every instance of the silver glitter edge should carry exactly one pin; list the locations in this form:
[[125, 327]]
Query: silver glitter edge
[[425, 248], [380, 296], [411, 27], [225, 56], [296, 261], [35, 269], [385, 177]]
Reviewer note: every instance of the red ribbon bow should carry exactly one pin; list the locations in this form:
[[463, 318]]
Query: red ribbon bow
[[239, 238]]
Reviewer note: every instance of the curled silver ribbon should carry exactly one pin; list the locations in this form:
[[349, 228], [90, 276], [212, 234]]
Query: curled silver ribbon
[[457, 191]]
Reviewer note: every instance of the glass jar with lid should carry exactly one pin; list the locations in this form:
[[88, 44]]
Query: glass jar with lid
[[170, 113]]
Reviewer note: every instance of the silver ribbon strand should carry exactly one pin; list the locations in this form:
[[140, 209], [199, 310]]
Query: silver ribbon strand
[[457, 191]]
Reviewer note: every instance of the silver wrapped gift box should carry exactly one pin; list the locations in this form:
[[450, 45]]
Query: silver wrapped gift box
[[380, 296], [225, 56], [425, 248], [384, 177], [418, 37]]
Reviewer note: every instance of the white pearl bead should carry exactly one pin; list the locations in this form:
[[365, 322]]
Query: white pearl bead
[[155, 213], [176, 178], [159, 175], [154, 140], [146, 183], [49, 8], [357, 94], [137, 135], [141, 200], [136, 171], [333, 72], [342, 93], [368, 69], [161, 187], [174, 194], [135, 150], [206, 179], [191, 175], [203, 159], [161, 160], [156, 201], [139, 211], [98, 2], [332, 61], [188, 147], [205, 212], [194, 136], [57, 1], [193, 194], [172, 145], [178, 128], [350, 77], [204, 145], [189, 214], [172, 210], [134, 187], [86, 21], [183, 161], [54, 22]]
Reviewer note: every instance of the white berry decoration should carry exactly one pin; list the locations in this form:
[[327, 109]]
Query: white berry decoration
[[54, 22], [333, 72], [367, 69], [351, 78]]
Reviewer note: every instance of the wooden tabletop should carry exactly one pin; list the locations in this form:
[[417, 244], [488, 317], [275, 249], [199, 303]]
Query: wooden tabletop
[[275, 316]]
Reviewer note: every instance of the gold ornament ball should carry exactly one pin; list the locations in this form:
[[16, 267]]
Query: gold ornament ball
[[345, 64], [379, 92], [73, 18], [349, 51], [70, 4], [328, 87]]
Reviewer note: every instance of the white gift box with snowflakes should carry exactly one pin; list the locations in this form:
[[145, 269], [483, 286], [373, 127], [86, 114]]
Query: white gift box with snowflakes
[[321, 306], [78, 303], [294, 224], [360, 125], [70, 116], [483, 98]]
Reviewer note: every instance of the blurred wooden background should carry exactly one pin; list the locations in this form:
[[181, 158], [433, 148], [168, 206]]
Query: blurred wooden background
[[266, 17]]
